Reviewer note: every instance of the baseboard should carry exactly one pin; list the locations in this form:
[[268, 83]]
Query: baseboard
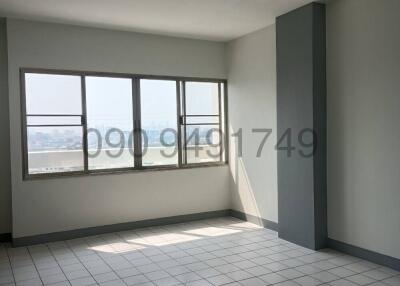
[[366, 254], [254, 219], [5, 237], [72, 234], [369, 255]]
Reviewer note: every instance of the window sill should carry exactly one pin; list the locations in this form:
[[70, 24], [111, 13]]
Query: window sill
[[120, 171]]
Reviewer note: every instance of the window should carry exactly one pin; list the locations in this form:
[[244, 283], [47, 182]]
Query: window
[[202, 119], [159, 122], [54, 123], [84, 123], [110, 122]]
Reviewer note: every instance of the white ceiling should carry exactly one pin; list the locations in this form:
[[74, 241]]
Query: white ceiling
[[219, 20]]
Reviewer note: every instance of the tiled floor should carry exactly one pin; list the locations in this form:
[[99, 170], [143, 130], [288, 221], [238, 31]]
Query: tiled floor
[[221, 251]]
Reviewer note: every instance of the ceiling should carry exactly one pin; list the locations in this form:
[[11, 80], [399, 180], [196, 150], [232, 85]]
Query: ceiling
[[219, 20]]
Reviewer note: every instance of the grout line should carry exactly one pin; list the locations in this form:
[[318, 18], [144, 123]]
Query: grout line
[[55, 258], [34, 264], [258, 236], [84, 266], [112, 269], [11, 267]]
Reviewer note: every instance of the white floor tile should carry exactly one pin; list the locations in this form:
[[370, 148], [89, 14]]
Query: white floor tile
[[223, 251]]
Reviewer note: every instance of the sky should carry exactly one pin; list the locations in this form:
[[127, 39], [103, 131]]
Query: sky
[[109, 100]]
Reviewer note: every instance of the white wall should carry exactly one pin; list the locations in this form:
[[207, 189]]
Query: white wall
[[5, 180], [251, 69], [45, 206], [363, 71]]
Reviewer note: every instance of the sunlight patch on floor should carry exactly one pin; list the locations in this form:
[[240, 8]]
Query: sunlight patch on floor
[[212, 231], [157, 237], [164, 239]]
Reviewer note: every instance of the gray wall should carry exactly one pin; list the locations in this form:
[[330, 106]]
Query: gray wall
[[363, 69], [5, 180], [45, 206], [301, 95], [251, 62]]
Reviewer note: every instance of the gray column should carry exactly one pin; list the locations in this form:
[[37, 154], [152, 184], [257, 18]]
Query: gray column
[[5, 170], [301, 107]]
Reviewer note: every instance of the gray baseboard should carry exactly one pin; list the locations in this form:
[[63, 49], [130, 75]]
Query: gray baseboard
[[254, 219], [5, 237], [71, 234], [366, 254]]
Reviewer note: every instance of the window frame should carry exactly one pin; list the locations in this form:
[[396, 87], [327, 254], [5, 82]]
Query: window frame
[[135, 78], [184, 117]]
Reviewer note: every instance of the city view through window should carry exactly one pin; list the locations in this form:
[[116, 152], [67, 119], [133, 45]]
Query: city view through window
[[57, 114]]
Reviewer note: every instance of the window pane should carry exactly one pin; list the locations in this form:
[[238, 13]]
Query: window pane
[[54, 120], [110, 122], [55, 149], [203, 144], [53, 94], [202, 119], [159, 122], [201, 98]]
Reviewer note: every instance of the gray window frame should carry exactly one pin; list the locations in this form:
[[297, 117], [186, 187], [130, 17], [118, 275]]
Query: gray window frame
[[180, 93]]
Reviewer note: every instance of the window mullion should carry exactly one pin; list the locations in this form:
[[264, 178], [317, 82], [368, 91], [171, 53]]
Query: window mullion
[[24, 126], [178, 118], [84, 125], [137, 128], [220, 123], [225, 118], [184, 121]]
